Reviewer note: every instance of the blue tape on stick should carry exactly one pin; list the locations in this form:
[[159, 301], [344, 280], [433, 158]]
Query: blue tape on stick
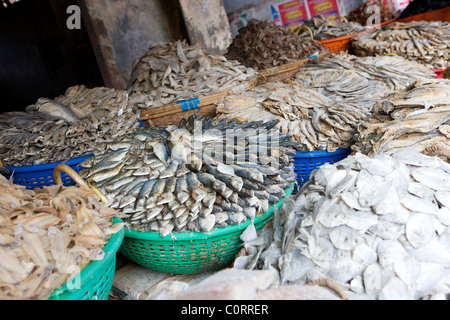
[[191, 104], [313, 57]]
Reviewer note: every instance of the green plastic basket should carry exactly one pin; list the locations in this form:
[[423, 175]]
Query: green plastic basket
[[95, 281], [191, 252]]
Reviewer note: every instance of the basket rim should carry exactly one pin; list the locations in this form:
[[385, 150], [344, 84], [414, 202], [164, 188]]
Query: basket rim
[[192, 236], [48, 166], [320, 153], [94, 267]]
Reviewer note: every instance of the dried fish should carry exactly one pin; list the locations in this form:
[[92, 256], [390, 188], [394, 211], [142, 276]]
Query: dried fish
[[417, 117], [363, 13], [425, 42], [48, 234], [66, 127], [261, 45], [173, 71], [397, 254], [323, 28], [205, 180]]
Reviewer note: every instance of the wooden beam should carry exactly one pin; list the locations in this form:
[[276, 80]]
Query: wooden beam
[[206, 21]]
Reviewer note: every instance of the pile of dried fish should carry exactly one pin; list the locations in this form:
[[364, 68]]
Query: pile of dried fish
[[418, 117], [66, 127], [378, 226], [193, 176], [364, 13], [323, 28], [48, 236], [313, 120], [261, 45], [361, 81], [173, 71], [422, 41]]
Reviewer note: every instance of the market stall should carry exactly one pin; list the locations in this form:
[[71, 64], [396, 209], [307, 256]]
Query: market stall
[[297, 159]]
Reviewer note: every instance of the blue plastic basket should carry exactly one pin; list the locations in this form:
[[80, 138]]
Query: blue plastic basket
[[306, 162], [39, 176]]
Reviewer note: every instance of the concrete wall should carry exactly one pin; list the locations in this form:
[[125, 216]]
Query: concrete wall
[[122, 30]]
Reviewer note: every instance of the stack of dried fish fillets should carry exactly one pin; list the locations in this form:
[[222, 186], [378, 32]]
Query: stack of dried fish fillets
[[314, 120], [193, 177], [378, 228], [262, 45], [68, 126], [418, 117], [322, 28], [48, 235], [173, 71], [425, 42]]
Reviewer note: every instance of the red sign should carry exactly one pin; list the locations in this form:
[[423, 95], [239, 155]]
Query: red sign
[[292, 13], [326, 8]]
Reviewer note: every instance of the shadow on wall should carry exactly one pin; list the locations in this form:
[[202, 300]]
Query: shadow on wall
[[39, 55]]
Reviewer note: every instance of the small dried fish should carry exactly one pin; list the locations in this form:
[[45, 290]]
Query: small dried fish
[[67, 127], [323, 28], [425, 42], [261, 45], [362, 13], [174, 71]]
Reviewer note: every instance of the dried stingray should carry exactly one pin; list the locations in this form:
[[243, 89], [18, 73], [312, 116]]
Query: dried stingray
[[378, 227], [425, 42], [261, 45], [64, 128], [47, 236], [173, 71]]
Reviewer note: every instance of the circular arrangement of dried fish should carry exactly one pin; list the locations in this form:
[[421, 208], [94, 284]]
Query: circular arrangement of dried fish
[[418, 117], [195, 176], [64, 128], [323, 28], [422, 41], [378, 226], [174, 71], [364, 13], [47, 236], [262, 45]]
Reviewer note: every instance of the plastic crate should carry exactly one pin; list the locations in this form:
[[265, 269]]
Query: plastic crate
[[306, 162], [95, 281], [39, 176], [191, 252]]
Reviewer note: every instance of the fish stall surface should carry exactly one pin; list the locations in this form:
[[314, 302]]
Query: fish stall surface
[[66, 127], [323, 28], [417, 117], [422, 41], [262, 45], [323, 106], [172, 71], [47, 236], [378, 227], [194, 176]]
